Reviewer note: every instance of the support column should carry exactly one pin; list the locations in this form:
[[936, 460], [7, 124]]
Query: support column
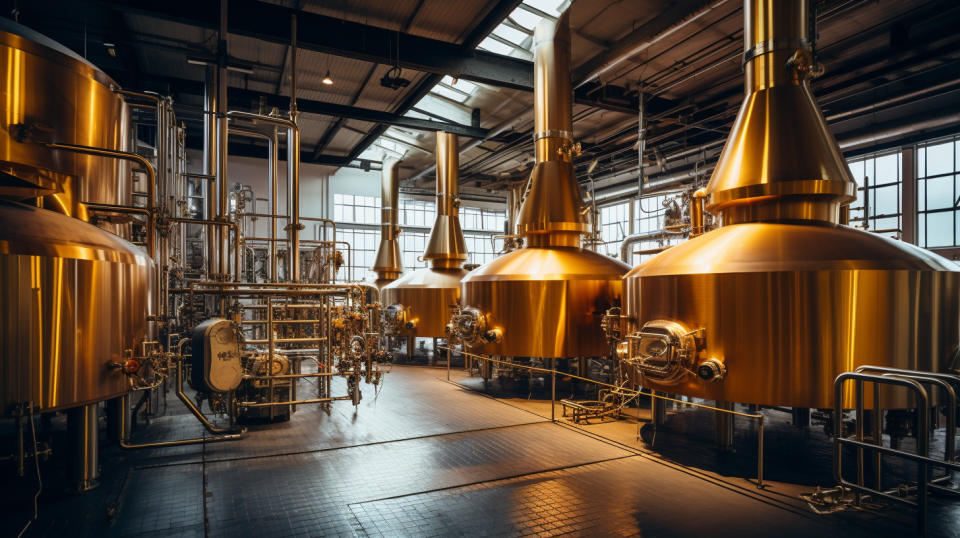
[[84, 467]]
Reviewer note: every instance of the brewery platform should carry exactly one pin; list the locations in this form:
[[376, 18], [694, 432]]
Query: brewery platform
[[428, 457]]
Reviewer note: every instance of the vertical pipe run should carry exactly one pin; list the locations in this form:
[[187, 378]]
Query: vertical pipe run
[[293, 161], [446, 248], [272, 179], [222, 81], [210, 152]]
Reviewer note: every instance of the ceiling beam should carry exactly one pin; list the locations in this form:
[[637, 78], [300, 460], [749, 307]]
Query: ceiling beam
[[320, 33], [243, 98]]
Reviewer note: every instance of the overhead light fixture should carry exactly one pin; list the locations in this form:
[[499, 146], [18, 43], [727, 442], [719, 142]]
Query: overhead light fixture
[[326, 79]]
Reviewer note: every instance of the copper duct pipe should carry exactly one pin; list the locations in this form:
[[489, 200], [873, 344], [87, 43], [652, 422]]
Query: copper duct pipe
[[551, 214], [446, 248], [781, 161], [387, 264]]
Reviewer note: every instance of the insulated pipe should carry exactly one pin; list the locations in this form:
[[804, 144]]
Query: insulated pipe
[[630, 240]]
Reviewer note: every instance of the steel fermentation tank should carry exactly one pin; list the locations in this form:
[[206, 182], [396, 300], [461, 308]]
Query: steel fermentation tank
[[772, 306], [546, 299]]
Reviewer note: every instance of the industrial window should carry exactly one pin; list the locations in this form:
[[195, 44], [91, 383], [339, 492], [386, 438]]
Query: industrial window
[[358, 220], [480, 249], [412, 244], [356, 208], [938, 190], [880, 193], [487, 220], [363, 247], [648, 217], [417, 212], [614, 226]]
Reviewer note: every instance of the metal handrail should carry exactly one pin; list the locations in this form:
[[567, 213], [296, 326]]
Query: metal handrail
[[914, 381]]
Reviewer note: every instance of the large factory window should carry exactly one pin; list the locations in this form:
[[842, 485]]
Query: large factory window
[[475, 218], [358, 219], [880, 194], [356, 208], [480, 249], [412, 244], [417, 212], [363, 245], [938, 188], [614, 226]]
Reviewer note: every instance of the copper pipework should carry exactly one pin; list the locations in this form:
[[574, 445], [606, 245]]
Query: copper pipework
[[446, 248], [387, 264]]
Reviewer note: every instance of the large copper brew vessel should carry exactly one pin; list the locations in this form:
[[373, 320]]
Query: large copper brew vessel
[[74, 298], [52, 95], [547, 299], [419, 302], [387, 265], [773, 305]]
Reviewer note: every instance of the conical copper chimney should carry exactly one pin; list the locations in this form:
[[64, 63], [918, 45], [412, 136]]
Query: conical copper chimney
[[387, 264], [418, 304], [546, 299], [446, 248], [772, 306]]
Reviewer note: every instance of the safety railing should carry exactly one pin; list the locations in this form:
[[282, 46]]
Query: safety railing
[[916, 383]]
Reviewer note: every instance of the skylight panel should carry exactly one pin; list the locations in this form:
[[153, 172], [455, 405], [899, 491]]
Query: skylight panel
[[514, 36], [463, 85], [551, 7], [524, 18], [444, 109], [494, 46], [449, 93]]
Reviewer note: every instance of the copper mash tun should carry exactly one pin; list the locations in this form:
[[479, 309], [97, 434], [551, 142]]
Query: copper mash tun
[[387, 264], [418, 303], [546, 299], [74, 298], [770, 307]]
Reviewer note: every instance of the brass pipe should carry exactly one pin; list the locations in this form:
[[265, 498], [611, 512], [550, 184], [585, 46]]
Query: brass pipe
[[446, 248], [551, 213], [780, 162], [210, 153], [387, 264]]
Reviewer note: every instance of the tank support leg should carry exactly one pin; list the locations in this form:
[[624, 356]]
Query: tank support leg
[[82, 432], [724, 426]]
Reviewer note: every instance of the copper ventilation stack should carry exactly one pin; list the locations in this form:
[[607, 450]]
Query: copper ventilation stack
[[773, 305], [547, 299], [418, 304], [387, 264]]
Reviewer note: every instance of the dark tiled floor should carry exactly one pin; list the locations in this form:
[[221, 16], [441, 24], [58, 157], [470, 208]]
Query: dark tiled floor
[[424, 457]]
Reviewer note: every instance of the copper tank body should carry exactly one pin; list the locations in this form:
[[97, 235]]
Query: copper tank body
[[772, 306], [387, 264], [423, 298], [73, 299], [547, 299], [52, 95]]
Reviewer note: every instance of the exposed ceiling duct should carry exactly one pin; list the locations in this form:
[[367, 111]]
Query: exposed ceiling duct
[[387, 264]]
